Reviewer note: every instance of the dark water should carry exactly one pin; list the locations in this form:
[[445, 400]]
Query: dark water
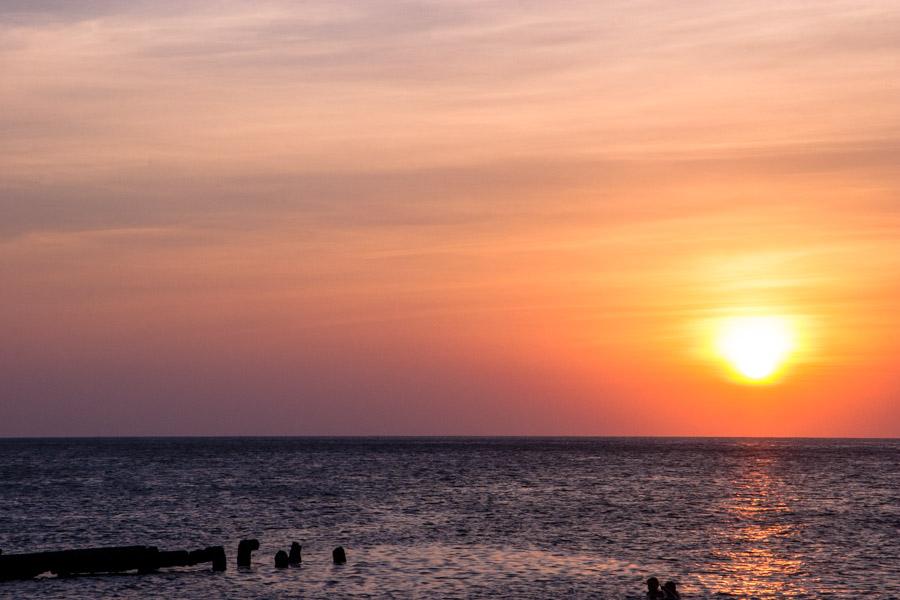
[[467, 518]]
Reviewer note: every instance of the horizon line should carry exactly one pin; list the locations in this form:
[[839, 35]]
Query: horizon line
[[442, 436]]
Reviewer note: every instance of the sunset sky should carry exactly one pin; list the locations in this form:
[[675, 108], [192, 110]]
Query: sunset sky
[[446, 217]]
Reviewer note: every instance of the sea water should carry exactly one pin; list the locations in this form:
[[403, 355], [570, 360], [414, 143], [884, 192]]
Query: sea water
[[466, 518]]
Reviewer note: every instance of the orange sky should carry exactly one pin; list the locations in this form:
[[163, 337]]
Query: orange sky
[[457, 217]]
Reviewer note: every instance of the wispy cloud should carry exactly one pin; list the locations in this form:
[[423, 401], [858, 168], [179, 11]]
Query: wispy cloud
[[509, 180]]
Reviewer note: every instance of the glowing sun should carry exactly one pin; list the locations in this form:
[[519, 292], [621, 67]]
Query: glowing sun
[[756, 346]]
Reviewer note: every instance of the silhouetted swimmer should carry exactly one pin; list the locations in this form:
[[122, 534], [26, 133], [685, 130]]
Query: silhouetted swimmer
[[281, 559], [653, 591], [338, 555], [671, 591], [245, 548], [294, 557]]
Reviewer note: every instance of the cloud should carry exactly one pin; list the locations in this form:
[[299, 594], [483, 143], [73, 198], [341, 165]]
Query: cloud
[[510, 180]]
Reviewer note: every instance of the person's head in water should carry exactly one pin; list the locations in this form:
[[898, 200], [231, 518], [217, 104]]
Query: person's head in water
[[671, 590], [652, 587]]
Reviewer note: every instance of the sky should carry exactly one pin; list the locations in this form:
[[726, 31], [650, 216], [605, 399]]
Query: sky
[[451, 217]]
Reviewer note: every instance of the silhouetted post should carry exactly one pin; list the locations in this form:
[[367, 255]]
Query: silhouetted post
[[294, 557], [219, 560], [281, 559], [245, 548], [338, 555]]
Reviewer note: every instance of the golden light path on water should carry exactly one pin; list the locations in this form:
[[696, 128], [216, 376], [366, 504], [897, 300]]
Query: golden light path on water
[[760, 569]]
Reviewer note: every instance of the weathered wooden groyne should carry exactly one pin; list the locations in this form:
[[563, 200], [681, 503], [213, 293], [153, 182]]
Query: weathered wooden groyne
[[144, 559]]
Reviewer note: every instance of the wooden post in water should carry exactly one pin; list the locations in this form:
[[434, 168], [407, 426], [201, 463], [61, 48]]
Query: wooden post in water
[[245, 551], [294, 556]]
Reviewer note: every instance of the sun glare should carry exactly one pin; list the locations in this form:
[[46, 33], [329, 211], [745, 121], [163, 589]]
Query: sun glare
[[755, 347]]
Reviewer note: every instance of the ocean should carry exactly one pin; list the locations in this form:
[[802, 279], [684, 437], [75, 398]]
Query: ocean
[[465, 517]]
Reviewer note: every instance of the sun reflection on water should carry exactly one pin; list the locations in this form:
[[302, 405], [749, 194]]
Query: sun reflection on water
[[758, 565]]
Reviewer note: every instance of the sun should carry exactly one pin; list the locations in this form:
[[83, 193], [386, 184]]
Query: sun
[[755, 347]]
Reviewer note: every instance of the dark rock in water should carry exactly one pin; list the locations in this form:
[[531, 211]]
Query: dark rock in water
[[338, 555], [281, 559], [245, 549], [294, 556]]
